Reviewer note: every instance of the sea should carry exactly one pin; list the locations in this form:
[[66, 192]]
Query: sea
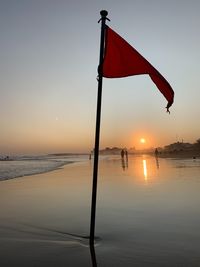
[[19, 166]]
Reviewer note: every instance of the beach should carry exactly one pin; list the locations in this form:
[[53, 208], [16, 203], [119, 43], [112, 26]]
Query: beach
[[147, 214]]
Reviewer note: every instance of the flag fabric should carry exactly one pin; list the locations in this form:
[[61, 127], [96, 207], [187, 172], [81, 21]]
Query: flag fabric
[[122, 60]]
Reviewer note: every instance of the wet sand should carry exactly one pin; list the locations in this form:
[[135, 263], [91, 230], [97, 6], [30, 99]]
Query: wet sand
[[147, 215], [38, 215]]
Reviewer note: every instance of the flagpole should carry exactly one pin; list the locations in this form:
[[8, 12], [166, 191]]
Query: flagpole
[[103, 19]]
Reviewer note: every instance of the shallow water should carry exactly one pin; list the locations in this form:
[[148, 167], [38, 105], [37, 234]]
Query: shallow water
[[147, 215]]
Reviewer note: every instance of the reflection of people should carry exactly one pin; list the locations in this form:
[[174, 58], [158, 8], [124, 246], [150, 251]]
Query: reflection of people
[[157, 162], [124, 157], [123, 164]]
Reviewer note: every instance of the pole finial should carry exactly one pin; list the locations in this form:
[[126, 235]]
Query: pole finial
[[104, 13]]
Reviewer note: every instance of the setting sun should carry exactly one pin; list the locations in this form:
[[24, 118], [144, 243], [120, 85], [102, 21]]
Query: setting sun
[[142, 141]]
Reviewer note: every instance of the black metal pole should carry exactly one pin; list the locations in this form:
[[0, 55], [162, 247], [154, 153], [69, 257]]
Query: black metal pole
[[103, 13]]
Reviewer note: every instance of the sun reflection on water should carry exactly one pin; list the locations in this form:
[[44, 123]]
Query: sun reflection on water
[[145, 169]]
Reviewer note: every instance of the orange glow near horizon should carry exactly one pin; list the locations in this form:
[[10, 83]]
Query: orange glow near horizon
[[143, 140]]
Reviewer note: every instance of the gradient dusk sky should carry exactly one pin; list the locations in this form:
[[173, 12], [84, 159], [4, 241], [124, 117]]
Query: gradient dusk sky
[[49, 53]]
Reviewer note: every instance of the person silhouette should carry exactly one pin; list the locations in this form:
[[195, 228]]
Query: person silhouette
[[126, 154], [156, 152], [122, 153]]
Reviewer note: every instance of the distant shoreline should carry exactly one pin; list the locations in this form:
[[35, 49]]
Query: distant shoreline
[[180, 154]]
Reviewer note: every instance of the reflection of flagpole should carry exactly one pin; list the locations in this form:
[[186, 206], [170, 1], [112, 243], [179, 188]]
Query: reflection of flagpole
[[103, 19], [93, 256]]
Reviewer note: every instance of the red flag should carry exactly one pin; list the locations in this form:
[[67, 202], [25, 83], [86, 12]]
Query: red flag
[[122, 60]]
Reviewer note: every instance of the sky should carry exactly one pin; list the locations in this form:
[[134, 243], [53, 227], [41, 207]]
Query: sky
[[49, 54]]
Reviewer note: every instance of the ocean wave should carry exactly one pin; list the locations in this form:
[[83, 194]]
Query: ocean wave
[[30, 165]]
